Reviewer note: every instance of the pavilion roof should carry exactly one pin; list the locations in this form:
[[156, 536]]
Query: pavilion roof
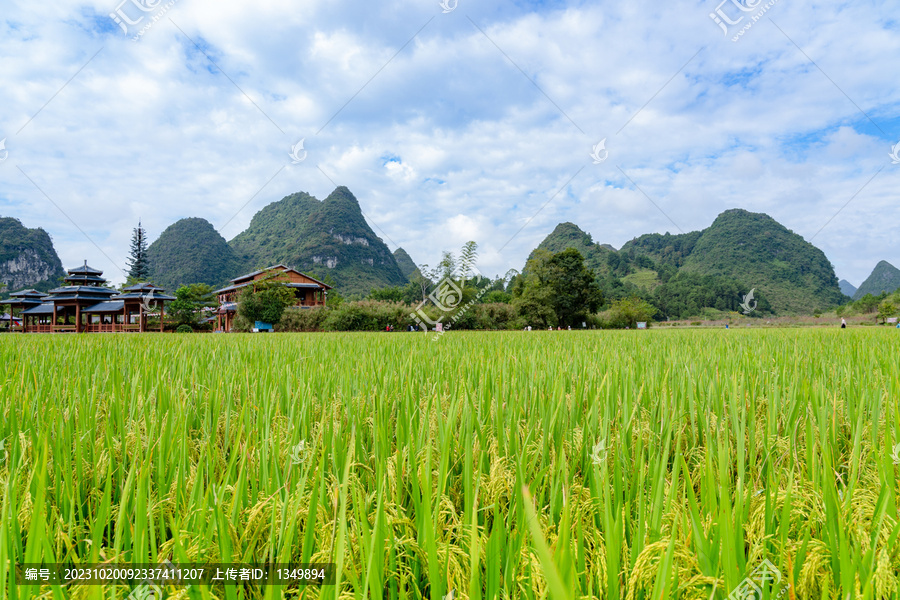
[[41, 309], [81, 292], [85, 270], [85, 279], [21, 301], [106, 307], [30, 293], [143, 287], [138, 296], [91, 289], [24, 298]]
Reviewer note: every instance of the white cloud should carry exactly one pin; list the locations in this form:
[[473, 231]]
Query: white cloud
[[154, 130]]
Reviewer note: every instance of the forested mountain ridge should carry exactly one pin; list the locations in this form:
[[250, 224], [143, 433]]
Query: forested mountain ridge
[[191, 251], [740, 251], [328, 237], [885, 277], [405, 263]]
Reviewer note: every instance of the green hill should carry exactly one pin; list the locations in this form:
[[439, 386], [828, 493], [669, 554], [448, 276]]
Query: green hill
[[665, 248], [884, 278], [191, 251], [568, 235], [753, 248], [27, 258], [405, 262], [741, 250], [329, 237]]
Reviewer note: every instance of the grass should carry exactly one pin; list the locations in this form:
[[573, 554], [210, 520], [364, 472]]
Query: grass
[[646, 279], [619, 465]]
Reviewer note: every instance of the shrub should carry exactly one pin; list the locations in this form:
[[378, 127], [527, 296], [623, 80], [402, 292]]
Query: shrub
[[367, 315], [184, 328], [496, 316], [302, 319], [626, 313], [241, 324], [375, 315]]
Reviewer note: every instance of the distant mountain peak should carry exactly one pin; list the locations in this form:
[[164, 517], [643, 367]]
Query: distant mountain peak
[[191, 250], [323, 237], [885, 277], [847, 288], [405, 262]]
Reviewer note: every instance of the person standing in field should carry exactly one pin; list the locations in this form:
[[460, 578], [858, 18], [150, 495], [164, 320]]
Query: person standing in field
[[843, 323]]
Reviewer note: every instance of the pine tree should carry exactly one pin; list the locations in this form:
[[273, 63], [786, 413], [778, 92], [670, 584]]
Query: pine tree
[[138, 266]]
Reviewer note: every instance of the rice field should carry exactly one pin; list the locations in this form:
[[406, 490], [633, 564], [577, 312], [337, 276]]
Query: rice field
[[561, 465]]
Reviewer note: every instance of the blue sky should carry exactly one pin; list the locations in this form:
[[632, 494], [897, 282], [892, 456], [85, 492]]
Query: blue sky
[[474, 123]]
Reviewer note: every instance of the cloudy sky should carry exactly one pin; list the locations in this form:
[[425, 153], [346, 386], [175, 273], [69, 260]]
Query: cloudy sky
[[467, 121]]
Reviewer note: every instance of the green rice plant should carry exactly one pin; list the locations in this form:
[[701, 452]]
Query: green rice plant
[[587, 464]]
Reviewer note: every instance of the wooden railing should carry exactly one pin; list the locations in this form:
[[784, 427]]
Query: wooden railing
[[40, 328], [88, 328], [103, 328]]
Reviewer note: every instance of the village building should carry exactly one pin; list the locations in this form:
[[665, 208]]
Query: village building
[[309, 292], [87, 305], [21, 301]]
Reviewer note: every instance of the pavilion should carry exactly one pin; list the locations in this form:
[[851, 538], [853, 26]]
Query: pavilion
[[87, 305], [22, 301]]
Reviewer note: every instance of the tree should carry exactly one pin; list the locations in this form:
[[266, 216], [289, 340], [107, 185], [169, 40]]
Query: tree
[[388, 294], [886, 309], [189, 302], [575, 294], [628, 312], [556, 289], [138, 265], [467, 257], [496, 297], [533, 306], [265, 301], [867, 304]]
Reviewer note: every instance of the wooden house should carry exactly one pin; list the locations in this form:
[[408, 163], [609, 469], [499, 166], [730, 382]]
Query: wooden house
[[309, 292]]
